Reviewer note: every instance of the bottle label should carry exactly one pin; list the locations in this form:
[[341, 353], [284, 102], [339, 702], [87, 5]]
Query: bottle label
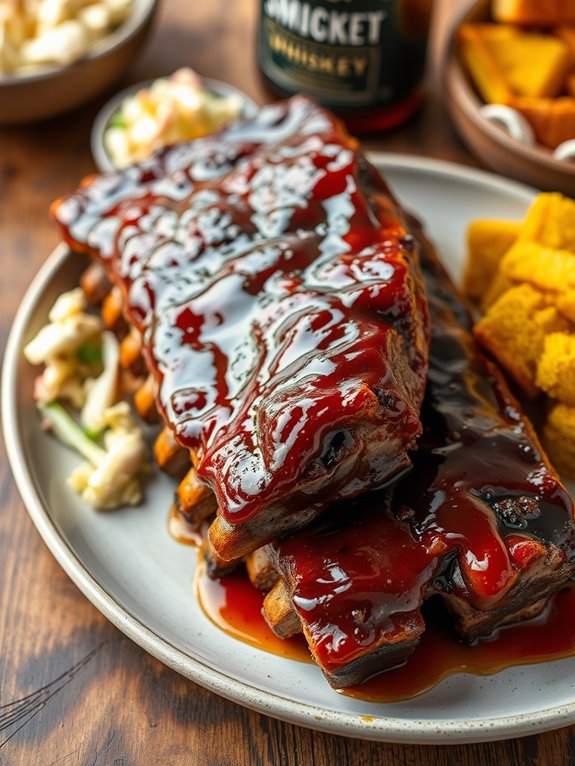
[[344, 52]]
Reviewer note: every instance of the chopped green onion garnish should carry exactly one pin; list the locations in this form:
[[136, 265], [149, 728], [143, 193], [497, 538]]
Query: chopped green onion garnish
[[70, 433], [90, 353], [117, 120]]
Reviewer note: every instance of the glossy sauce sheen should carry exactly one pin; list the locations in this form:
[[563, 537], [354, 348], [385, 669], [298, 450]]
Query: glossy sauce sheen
[[280, 313], [357, 581], [273, 277], [482, 489], [234, 605], [481, 507]]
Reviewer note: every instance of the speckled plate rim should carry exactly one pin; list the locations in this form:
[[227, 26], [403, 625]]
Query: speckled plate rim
[[335, 722]]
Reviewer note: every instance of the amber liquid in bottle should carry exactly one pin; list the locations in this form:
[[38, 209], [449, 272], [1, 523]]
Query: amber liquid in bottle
[[363, 59]]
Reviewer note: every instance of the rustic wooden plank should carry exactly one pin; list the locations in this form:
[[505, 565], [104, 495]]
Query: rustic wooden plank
[[73, 689]]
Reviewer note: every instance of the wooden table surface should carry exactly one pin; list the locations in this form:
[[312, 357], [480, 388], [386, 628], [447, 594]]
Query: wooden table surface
[[73, 689]]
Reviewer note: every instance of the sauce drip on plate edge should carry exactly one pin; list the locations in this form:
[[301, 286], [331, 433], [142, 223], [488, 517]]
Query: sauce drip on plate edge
[[234, 606]]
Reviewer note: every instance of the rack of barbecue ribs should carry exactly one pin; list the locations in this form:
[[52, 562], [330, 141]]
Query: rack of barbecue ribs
[[267, 291], [482, 521], [279, 309]]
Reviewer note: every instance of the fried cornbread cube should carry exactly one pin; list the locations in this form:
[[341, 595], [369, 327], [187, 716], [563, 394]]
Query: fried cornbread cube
[[532, 64], [505, 61], [499, 285], [559, 439], [544, 253], [514, 331], [537, 12], [546, 268], [487, 243], [482, 67], [556, 367], [551, 221], [552, 119]]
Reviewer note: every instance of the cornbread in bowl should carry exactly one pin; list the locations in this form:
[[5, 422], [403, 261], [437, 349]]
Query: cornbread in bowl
[[494, 147]]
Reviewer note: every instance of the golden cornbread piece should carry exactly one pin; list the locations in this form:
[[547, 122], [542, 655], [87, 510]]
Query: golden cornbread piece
[[550, 221], [514, 331], [481, 65], [487, 243], [532, 64], [500, 284], [566, 304], [552, 119], [536, 12], [556, 367], [566, 33], [495, 32], [559, 439], [547, 268]]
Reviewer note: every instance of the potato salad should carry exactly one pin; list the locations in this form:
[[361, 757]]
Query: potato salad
[[77, 395]]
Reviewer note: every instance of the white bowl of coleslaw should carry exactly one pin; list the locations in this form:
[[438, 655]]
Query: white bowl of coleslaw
[[146, 116]]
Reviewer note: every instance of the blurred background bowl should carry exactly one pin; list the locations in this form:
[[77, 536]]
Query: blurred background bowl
[[534, 165], [55, 90], [105, 115]]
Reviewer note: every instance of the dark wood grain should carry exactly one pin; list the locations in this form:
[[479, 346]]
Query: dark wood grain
[[73, 689]]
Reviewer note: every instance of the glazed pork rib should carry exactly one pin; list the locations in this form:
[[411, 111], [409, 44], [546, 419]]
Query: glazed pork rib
[[482, 520], [353, 582], [280, 312], [488, 499]]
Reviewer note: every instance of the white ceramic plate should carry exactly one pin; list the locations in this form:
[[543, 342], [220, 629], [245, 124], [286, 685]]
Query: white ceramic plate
[[141, 579]]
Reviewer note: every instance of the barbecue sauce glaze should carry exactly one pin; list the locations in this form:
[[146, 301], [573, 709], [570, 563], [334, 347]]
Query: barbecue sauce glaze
[[276, 297], [282, 318], [482, 520], [481, 510], [234, 605]]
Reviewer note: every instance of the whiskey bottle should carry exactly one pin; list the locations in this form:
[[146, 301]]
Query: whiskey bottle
[[364, 59]]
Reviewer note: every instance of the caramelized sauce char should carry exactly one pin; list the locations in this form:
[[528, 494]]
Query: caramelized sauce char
[[482, 489], [480, 509]]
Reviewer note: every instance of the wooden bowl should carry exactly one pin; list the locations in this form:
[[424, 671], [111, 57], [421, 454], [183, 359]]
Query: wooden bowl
[[534, 165], [27, 98]]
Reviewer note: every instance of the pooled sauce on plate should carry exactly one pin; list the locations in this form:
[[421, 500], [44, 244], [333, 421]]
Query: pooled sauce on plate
[[181, 530], [234, 605]]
